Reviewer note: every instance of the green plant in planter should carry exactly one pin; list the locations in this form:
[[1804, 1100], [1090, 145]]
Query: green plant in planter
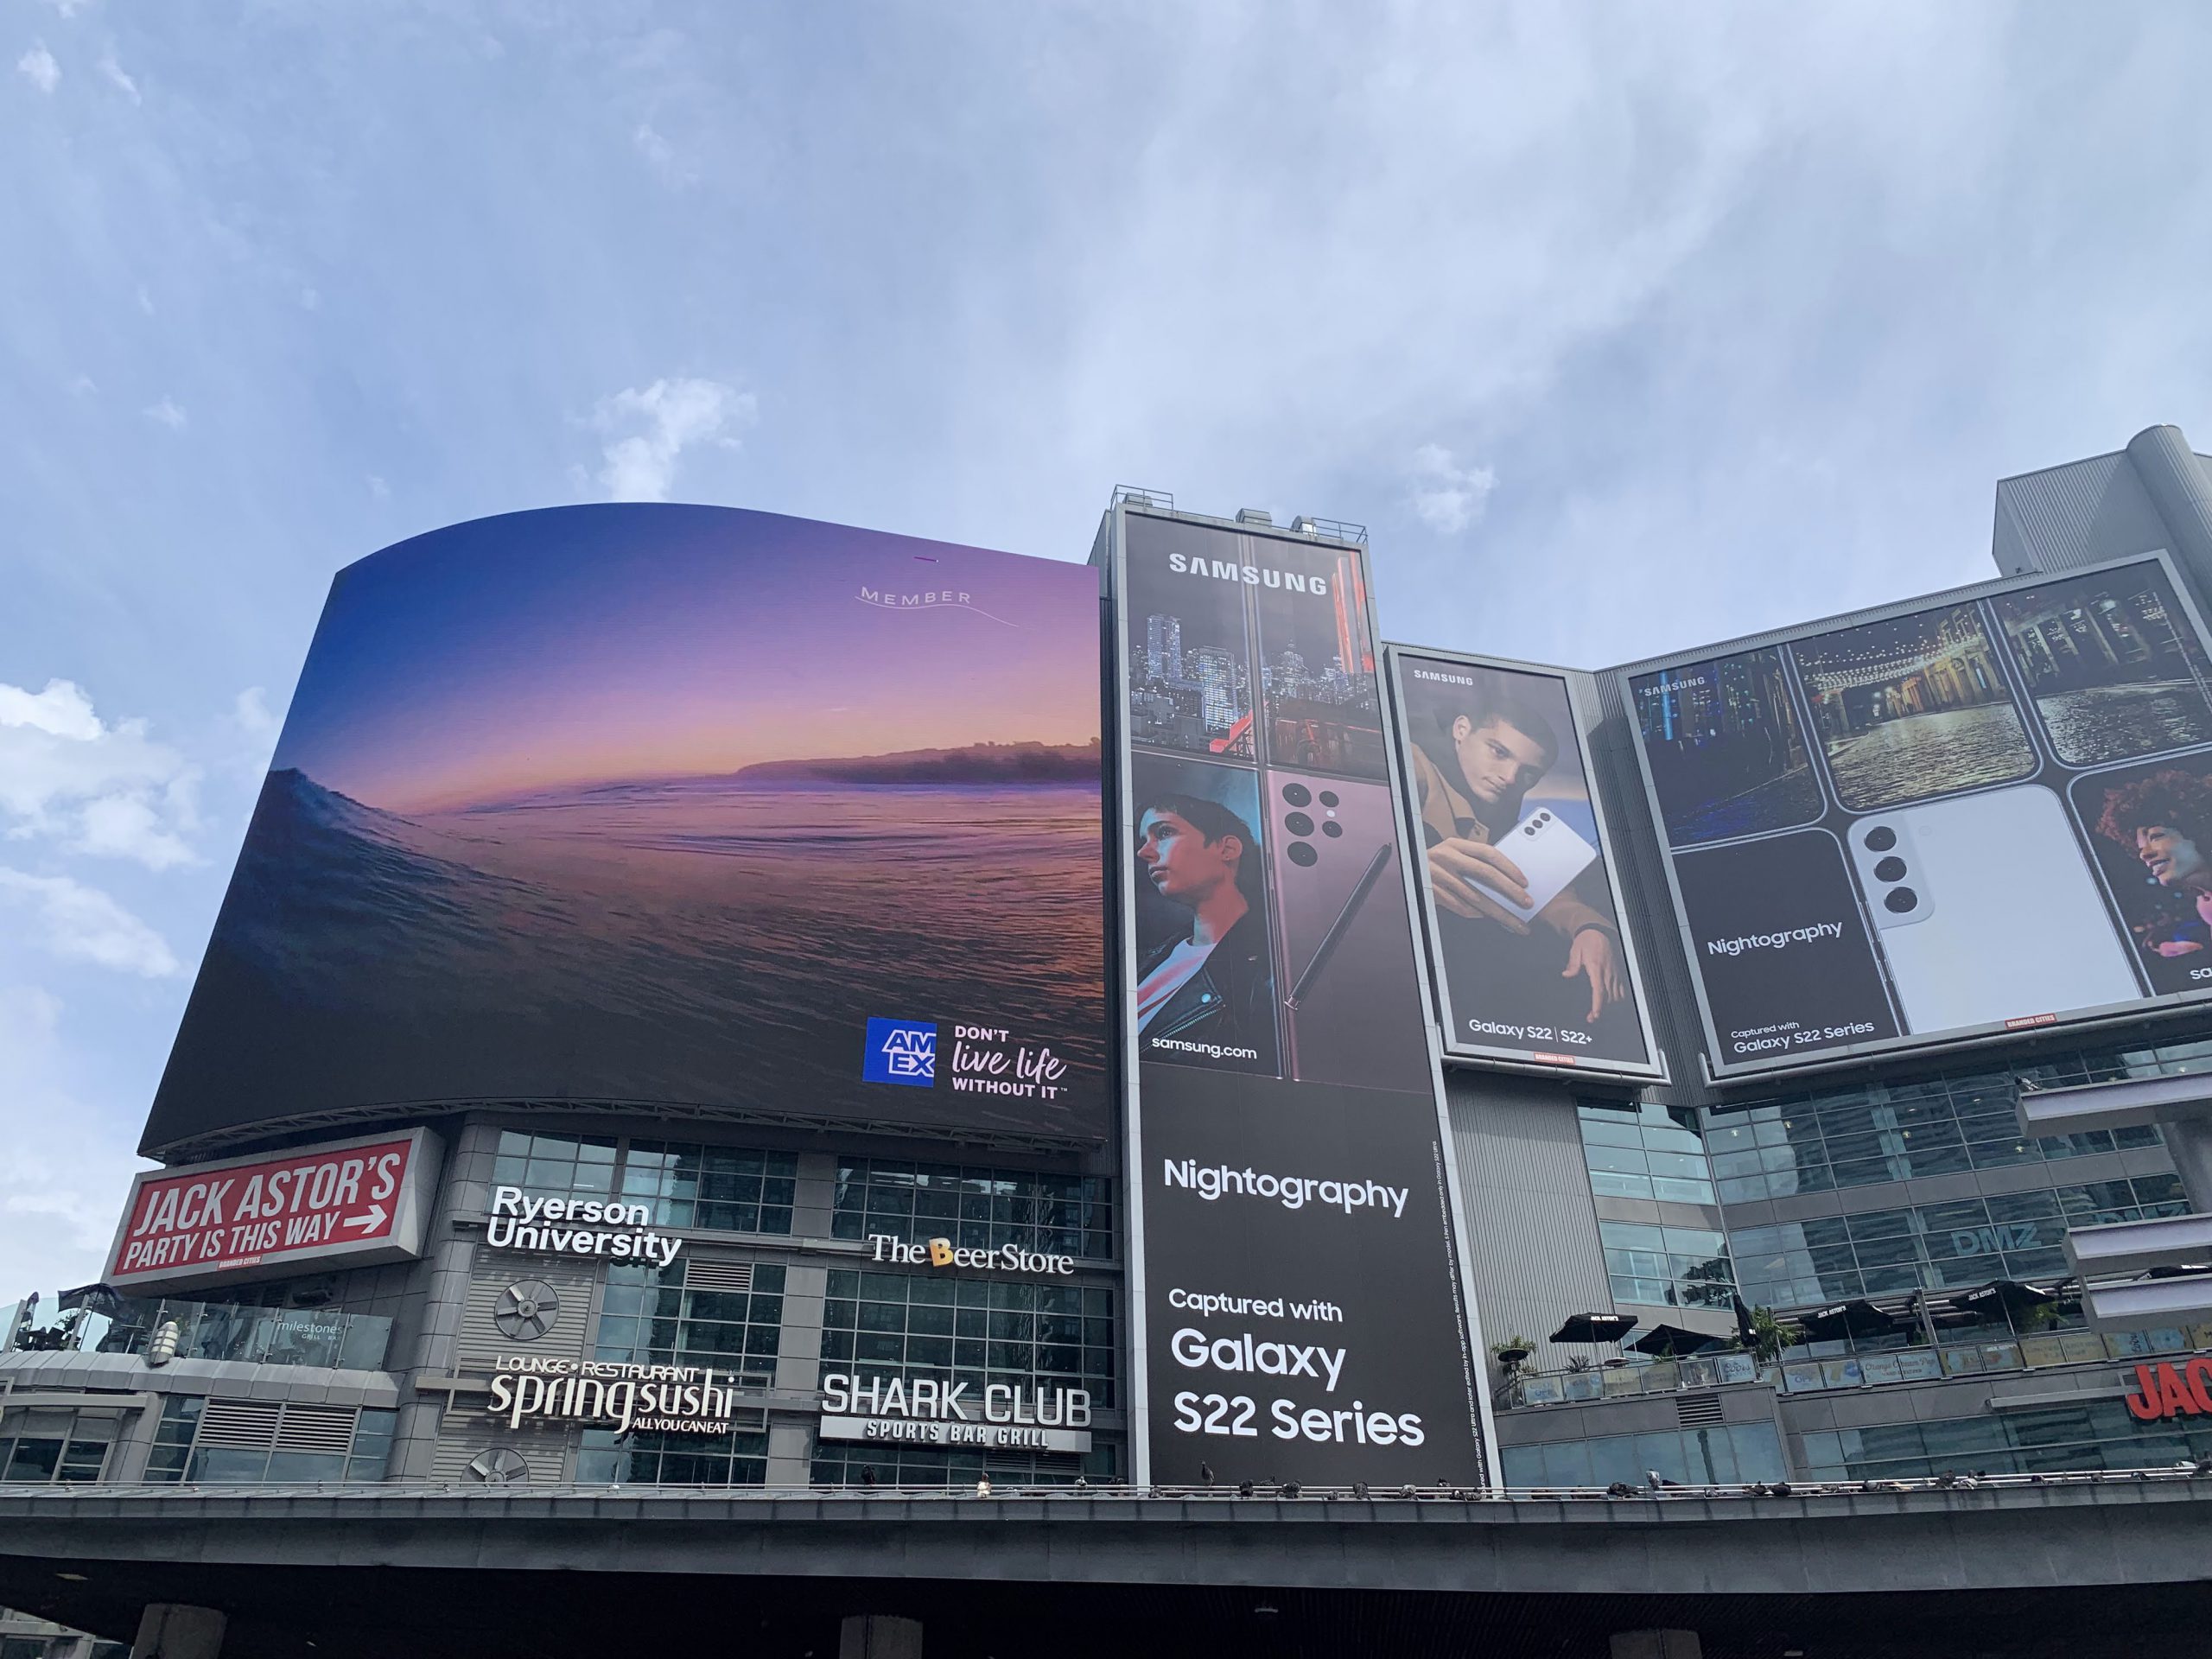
[[1769, 1337], [1513, 1353]]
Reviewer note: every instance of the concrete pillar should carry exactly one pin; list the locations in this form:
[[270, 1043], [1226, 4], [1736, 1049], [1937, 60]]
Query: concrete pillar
[[172, 1630], [2175, 482], [1657, 1644], [881, 1635], [2189, 1143]]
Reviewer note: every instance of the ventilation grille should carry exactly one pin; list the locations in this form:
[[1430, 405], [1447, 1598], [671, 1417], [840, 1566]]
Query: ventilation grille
[[248, 1424], [264, 1425], [316, 1429], [700, 1275], [1697, 1410]]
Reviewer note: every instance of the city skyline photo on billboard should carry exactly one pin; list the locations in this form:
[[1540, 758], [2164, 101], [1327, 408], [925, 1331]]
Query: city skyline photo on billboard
[[1968, 817], [652, 804], [1532, 963]]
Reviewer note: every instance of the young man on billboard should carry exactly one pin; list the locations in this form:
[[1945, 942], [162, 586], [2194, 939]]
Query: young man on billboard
[[1472, 776], [1213, 987]]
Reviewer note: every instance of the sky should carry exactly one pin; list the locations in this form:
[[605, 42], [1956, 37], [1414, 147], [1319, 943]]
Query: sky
[[536, 651], [1622, 327]]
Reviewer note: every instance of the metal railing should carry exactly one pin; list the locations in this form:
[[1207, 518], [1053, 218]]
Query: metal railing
[[2199, 1472], [1862, 1369], [255, 1336]]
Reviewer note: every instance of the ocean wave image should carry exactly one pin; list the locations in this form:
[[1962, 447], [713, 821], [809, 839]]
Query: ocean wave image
[[686, 870]]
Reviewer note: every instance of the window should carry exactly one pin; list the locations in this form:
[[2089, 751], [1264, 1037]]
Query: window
[[42, 1445], [1720, 1456], [975, 1330], [656, 1316], [686, 1183], [851, 1463], [1645, 1152], [719, 1187], [737, 1458], [2095, 1435], [1952, 1246], [1667, 1267], [1893, 1131], [1064, 1215], [222, 1440]]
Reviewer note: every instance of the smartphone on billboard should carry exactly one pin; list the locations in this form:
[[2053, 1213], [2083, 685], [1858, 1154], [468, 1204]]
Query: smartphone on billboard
[[1342, 933], [1549, 854], [1985, 910]]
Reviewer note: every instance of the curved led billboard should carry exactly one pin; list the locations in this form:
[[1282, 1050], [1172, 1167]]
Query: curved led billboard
[[673, 806], [1957, 819]]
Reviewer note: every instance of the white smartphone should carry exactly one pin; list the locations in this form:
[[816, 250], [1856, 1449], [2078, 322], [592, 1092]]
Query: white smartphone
[[1548, 853], [1987, 912]]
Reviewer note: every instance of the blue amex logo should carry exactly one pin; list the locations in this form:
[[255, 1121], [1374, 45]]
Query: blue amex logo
[[900, 1051]]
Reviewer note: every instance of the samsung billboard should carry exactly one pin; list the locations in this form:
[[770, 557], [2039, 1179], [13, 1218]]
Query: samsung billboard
[[1956, 818], [1301, 1310], [1532, 965], [673, 807]]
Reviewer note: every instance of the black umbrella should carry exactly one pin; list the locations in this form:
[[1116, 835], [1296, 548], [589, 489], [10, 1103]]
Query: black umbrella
[[1671, 1341], [1593, 1328], [1745, 1333], [1856, 1317], [2002, 1299]]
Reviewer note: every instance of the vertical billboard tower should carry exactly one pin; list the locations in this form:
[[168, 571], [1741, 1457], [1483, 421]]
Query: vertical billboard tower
[[1299, 1309]]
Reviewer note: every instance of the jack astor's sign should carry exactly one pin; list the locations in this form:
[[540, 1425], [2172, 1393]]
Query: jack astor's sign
[[677, 1399], [2167, 1390], [931, 1411]]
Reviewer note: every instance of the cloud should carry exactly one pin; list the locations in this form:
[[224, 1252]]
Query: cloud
[[165, 412], [68, 1165], [111, 792], [82, 923], [661, 154], [1446, 496], [116, 76], [250, 712], [39, 65], [676, 415], [378, 488]]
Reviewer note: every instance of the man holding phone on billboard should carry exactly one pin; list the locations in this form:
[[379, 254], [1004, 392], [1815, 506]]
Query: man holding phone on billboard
[[1472, 774]]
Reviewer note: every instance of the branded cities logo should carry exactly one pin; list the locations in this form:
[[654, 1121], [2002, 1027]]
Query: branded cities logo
[[900, 1051]]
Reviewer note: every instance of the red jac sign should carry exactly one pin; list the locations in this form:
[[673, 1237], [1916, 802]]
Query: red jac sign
[[351, 1201], [2167, 1390]]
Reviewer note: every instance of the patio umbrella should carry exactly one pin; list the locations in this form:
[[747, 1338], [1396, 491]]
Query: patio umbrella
[[1670, 1341], [1593, 1328], [2002, 1299], [1856, 1317]]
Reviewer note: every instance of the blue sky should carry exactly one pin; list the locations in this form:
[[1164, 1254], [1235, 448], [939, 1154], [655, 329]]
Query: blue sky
[[1622, 327]]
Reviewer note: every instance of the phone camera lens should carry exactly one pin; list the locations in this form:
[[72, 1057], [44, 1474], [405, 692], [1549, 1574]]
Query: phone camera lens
[[1297, 794], [1529, 830], [1333, 828], [1880, 838], [1890, 869], [1900, 899], [1302, 855], [1328, 798], [1298, 824]]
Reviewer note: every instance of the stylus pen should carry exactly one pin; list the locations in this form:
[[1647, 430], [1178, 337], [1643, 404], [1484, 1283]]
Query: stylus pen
[[1337, 928]]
